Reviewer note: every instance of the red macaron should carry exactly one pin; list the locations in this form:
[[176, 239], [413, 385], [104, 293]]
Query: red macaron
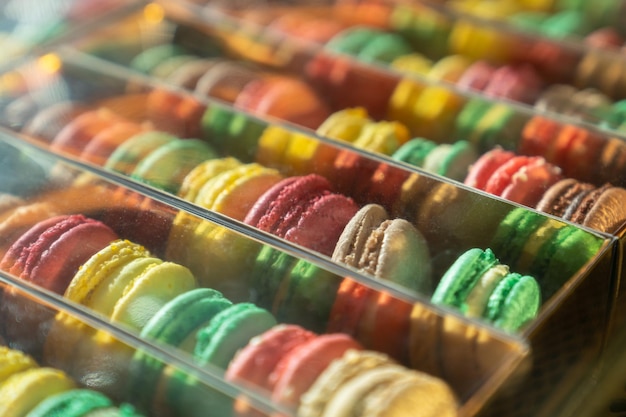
[[303, 210]]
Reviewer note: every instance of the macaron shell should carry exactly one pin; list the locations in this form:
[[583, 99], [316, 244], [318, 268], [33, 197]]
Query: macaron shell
[[80, 131], [608, 214], [417, 391], [530, 183], [102, 145], [229, 331], [148, 293], [404, 257], [21, 392], [73, 403], [481, 171], [514, 302], [296, 372], [354, 235], [167, 166], [353, 363], [127, 155], [349, 395], [198, 176], [235, 191], [100, 266], [256, 363], [13, 361], [349, 306]]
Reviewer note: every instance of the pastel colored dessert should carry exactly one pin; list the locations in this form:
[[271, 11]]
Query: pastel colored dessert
[[389, 249], [449, 160], [228, 187], [50, 120], [449, 68], [174, 324], [413, 63], [148, 59], [303, 210], [295, 291], [177, 113], [303, 26], [232, 133], [295, 153], [80, 131], [600, 208], [159, 159], [480, 286], [574, 149], [284, 98], [602, 71], [517, 83], [226, 79], [589, 105], [488, 124], [369, 44], [101, 146], [544, 248], [425, 28], [376, 319], [427, 110], [124, 282], [50, 253], [31, 390], [365, 380], [521, 179], [354, 125], [229, 331], [81, 403], [347, 83], [206, 247]]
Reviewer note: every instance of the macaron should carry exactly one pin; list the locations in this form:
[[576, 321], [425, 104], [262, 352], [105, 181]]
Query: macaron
[[234, 191], [166, 166], [284, 98], [81, 130], [366, 380], [50, 120], [127, 155], [517, 178], [303, 210], [101, 146], [125, 283], [72, 403], [175, 324], [22, 391], [229, 331], [600, 208], [576, 150], [450, 160], [549, 250], [376, 319], [369, 44], [479, 286], [389, 249], [175, 112], [293, 290]]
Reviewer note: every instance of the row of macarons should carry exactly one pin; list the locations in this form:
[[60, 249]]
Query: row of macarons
[[161, 301], [163, 160], [430, 112], [31, 390], [403, 30], [574, 21]]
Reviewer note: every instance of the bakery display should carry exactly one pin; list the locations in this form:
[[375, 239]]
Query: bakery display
[[347, 208]]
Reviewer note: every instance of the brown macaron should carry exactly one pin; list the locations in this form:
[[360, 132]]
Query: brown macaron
[[601, 208]]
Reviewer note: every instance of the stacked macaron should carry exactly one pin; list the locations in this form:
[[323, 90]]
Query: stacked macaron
[[28, 389]]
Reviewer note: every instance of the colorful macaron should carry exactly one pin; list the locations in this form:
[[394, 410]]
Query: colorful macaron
[[389, 249], [478, 285], [303, 210]]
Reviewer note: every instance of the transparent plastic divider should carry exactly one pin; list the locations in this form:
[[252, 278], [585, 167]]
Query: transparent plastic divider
[[493, 358]]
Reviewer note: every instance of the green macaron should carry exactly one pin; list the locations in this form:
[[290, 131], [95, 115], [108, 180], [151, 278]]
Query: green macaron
[[414, 151], [230, 330], [480, 286], [126, 156], [72, 403], [175, 324], [167, 166], [149, 58], [369, 44], [232, 133], [295, 290]]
